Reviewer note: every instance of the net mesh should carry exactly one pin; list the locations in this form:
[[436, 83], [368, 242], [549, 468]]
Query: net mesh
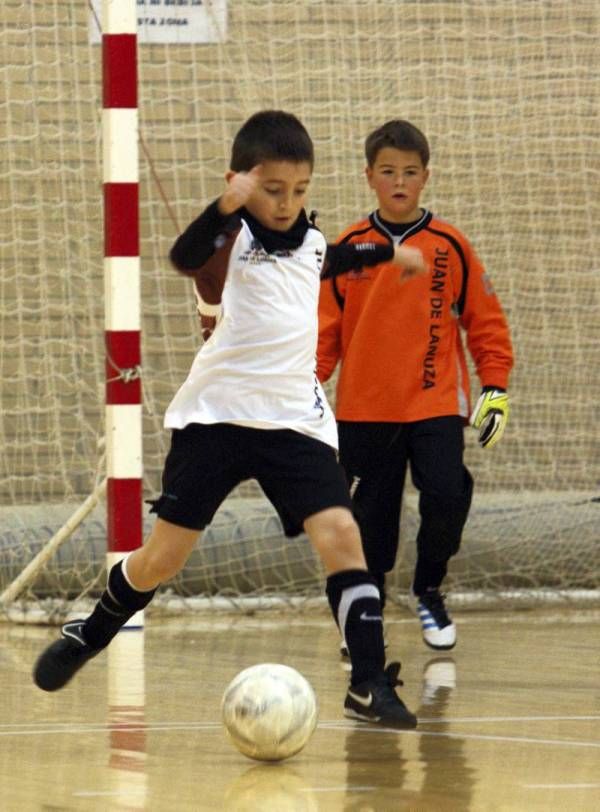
[[507, 93]]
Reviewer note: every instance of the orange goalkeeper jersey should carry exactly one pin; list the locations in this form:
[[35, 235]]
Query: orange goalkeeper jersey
[[400, 345]]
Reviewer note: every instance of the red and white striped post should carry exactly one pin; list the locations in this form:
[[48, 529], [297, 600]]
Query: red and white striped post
[[122, 279]]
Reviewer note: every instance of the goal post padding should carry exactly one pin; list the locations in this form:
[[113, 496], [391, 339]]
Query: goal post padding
[[243, 558]]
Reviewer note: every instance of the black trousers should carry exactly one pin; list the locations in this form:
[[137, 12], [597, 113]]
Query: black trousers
[[375, 458]]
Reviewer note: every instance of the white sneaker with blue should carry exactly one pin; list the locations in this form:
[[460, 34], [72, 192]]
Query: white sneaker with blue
[[439, 632]]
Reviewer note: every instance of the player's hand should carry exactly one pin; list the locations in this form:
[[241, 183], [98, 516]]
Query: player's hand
[[240, 187], [490, 415], [410, 260]]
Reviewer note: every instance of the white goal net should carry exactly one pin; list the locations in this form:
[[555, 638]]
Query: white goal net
[[508, 94]]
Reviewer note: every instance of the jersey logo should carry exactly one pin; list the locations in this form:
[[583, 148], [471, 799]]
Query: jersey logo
[[256, 254], [318, 404]]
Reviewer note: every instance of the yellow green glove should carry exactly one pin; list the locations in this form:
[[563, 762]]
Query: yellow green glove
[[490, 415]]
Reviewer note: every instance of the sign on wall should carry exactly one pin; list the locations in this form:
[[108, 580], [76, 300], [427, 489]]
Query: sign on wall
[[173, 21]]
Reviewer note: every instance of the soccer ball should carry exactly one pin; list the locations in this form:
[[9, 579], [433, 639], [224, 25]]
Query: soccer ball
[[269, 711]]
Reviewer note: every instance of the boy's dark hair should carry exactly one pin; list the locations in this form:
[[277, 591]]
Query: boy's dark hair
[[398, 134], [271, 135]]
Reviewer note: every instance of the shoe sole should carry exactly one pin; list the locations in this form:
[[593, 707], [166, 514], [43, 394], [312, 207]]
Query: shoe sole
[[55, 681], [409, 724], [439, 648]]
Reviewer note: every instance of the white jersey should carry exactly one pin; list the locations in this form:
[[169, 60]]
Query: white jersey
[[258, 368]]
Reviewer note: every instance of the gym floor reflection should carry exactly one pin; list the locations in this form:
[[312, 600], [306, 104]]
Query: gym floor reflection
[[508, 721]]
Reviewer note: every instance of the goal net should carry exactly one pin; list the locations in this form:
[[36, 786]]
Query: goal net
[[508, 94]]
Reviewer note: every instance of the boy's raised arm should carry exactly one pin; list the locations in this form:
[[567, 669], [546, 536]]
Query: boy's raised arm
[[199, 241], [352, 256], [346, 257]]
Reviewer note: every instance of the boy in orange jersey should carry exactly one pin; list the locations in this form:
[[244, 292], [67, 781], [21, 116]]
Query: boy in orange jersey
[[403, 389]]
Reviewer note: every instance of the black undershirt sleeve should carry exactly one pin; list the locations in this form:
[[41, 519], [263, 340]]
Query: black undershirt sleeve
[[201, 239], [353, 256], [198, 243]]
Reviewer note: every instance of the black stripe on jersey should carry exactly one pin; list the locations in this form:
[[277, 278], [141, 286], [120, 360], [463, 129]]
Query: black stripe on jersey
[[358, 231], [460, 303], [378, 228], [336, 291], [412, 228]]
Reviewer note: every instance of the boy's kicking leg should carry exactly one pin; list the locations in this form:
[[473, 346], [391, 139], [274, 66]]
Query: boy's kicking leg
[[132, 583], [354, 600]]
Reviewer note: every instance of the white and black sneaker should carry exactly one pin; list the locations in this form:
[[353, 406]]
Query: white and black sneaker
[[376, 701], [63, 658], [439, 632]]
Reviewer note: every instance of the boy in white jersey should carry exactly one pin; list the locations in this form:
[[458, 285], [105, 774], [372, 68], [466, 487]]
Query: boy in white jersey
[[252, 407]]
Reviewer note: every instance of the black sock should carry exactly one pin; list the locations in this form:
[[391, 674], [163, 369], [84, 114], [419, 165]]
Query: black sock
[[380, 582], [354, 601], [428, 575], [118, 603]]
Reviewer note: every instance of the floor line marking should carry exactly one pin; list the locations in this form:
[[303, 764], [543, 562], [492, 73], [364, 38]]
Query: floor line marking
[[560, 786], [113, 793], [515, 739], [93, 726], [111, 727], [481, 719], [345, 788], [324, 725], [475, 736]]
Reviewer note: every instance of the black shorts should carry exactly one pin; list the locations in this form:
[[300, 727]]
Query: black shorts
[[299, 475]]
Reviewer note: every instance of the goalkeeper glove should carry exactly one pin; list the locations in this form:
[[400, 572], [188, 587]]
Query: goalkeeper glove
[[490, 415]]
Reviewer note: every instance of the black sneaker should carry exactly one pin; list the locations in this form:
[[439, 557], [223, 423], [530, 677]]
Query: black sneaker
[[63, 658], [439, 632], [376, 701]]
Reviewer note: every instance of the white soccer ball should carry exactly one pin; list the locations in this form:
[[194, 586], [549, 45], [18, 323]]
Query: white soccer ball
[[269, 711]]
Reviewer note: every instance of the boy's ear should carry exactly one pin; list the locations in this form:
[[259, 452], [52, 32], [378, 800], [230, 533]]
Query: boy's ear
[[229, 174], [369, 175]]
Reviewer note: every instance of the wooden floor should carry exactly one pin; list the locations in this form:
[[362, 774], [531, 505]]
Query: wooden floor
[[511, 721]]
